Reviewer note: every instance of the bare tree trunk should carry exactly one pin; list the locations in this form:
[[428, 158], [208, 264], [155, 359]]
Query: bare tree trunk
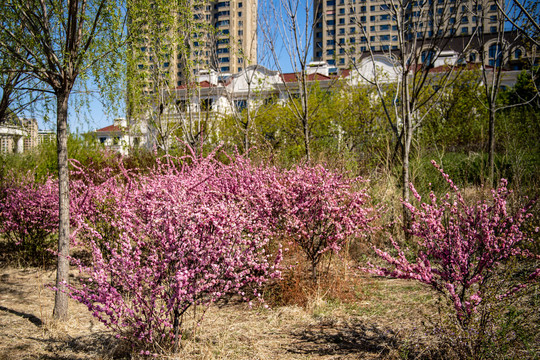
[[491, 144], [306, 140], [62, 271]]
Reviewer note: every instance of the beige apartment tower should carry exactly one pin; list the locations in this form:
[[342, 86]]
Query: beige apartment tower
[[345, 30], [177, 39]]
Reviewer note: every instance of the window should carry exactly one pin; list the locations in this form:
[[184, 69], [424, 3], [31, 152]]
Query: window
[[331, 62], [240, 32], [341, 31], [240, 4], [240, 23], [319, 34], [428, 57], [493, 29], [239, 14], [465, 30], [330, 42], [330, 52], [372, 28], [385, 17], [518, 54], [224, 60], [222, 23], [342, 41], [342, 11], [331, 32], [206, 104], [102, 140], [318, 54], [384, 7], [330, 22], [342, 61], [352, 40], [385, 27], [352, 30], [372, 18], [331, 3], [223, 51], [495, 55], [465, 20], [342, 51], [372, 8], [342, 21], [240, 104], [385, 37]]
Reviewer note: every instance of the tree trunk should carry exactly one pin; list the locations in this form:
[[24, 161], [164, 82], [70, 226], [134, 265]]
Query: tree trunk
[[407, 139], [491, 145], [62, 271], [306, 139]]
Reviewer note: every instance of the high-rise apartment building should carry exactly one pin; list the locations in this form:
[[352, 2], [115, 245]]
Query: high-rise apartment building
[[235, 44], [180, 38], [345, 30]]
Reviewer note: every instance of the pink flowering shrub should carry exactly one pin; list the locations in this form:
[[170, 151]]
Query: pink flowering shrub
[[323, 210], [183, 238], [29, 216], [464, 249]]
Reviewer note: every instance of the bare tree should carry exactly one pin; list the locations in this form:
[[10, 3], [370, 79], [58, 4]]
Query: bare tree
[[289, 25], [56, 42], [496, 50], [421, 34]]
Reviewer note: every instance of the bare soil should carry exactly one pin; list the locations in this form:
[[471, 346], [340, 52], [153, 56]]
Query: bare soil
[[384, 323]]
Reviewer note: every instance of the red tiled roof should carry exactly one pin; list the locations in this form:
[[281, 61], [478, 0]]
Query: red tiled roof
[[109, 128], [290, 77], [202, 84]]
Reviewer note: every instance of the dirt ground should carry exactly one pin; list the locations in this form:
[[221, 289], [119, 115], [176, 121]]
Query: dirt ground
[[378, 326]]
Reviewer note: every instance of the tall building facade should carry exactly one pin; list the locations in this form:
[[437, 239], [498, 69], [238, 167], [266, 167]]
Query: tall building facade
[[179, 38], [345, 30]]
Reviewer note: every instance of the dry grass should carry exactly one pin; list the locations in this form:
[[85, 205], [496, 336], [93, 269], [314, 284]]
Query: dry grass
[[380, 325]]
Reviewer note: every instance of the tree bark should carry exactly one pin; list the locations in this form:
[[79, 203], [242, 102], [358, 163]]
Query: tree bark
[[491, 145], [60, 311]]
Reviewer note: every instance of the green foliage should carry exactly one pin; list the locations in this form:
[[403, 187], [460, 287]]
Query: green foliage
[[42, 161]]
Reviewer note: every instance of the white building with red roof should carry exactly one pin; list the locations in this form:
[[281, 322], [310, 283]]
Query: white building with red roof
[[119, 137]]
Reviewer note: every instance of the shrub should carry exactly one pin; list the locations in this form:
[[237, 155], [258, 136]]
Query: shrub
[[184, 239], [323, 210], [29, 217], [465, 252]]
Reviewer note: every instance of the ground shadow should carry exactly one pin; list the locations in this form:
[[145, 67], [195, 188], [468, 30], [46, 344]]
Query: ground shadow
[[356, 338], [32, 318], [96, 345]]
